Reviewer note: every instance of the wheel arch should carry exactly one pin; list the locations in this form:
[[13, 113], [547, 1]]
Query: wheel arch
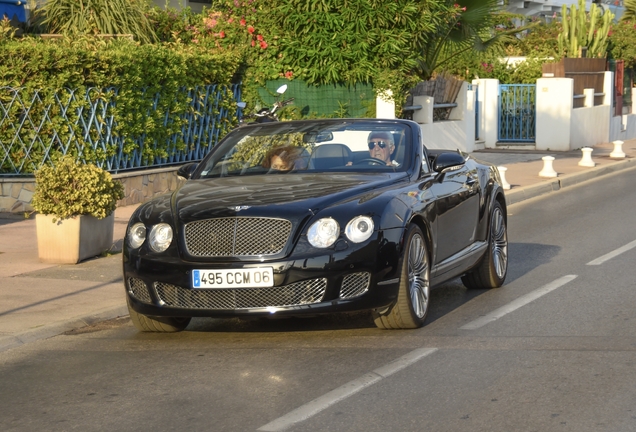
[[428, 235]]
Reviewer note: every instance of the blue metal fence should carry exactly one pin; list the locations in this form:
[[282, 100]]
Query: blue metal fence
[[517, 115], [34, 126]]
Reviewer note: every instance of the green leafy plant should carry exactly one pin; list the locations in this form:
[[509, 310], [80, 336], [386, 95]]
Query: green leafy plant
[[98, 16], [7, 31], [623, 42], [70, 188]]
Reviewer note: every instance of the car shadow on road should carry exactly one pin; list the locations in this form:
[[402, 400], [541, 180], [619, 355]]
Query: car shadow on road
[[445, 298]]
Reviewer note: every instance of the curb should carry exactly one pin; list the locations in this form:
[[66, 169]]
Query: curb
[[514, 196], [50, 330]]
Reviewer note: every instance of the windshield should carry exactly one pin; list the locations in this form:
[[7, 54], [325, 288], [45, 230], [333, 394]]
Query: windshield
[[320, 146]]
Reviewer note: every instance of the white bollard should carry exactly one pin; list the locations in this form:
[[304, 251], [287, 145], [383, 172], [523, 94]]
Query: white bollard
[[547, 170], [502, 174], [618, 150], [586, 160]]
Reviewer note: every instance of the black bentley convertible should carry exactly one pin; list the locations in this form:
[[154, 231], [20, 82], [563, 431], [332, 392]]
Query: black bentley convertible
[[313, 217]]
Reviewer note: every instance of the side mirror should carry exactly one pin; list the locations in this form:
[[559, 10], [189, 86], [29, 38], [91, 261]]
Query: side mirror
[[448, 161], [185, 171], [241, 105], [282, 89]]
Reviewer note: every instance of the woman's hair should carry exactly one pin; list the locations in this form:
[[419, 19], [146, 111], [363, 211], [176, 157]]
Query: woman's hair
[[290, 155]]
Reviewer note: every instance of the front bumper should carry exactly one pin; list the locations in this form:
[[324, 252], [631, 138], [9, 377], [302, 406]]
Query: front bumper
[[351, 280]]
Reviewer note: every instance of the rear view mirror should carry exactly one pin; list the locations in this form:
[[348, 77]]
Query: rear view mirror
[[313, 137], [185, 171]]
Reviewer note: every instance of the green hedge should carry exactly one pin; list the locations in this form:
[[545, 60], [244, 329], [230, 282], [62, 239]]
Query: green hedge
[[137, 73]]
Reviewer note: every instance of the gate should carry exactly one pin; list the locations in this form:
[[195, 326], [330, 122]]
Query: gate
[[517, 114]]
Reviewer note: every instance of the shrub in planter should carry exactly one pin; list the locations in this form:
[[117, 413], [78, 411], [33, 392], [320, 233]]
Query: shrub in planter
[[75, 202]]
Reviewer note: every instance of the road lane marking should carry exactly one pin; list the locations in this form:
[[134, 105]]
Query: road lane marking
[[609, 256], [516, 304], [325, 401]]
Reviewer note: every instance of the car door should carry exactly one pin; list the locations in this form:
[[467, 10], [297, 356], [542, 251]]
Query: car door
[[457, 211]]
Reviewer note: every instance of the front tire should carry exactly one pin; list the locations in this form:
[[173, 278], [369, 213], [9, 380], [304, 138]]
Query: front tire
[[411, 307], [491, 271], [158, 324]]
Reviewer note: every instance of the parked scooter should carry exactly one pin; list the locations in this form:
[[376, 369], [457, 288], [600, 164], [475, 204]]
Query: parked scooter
[[266, 115]]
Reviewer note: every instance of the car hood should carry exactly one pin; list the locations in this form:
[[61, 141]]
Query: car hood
[[273, 195]]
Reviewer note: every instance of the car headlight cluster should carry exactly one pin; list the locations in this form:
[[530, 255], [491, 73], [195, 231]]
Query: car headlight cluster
[[159, 239], [324, 232]]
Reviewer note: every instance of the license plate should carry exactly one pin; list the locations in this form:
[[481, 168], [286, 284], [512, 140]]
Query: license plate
[[261, 277]]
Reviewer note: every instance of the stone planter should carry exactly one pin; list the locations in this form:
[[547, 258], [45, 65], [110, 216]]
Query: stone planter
[[69, 241]]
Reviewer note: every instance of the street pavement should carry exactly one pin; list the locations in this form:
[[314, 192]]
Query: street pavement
[[40, 300]]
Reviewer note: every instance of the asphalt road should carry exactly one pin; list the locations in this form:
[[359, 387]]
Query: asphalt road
[[552, 350]]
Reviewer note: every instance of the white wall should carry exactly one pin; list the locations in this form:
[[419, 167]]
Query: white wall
[[559, 126], [459, 131], [589, 126]]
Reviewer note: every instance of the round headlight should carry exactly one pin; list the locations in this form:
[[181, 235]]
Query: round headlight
[[323, 233], [160, 237], [359, 229], [136, 235]]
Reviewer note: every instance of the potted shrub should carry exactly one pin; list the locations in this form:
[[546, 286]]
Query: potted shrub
[[75, 204]]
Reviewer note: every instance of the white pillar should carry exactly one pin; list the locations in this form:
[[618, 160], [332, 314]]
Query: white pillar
[[589, 97], [424, 115], [586, 160], [548, 170], [618, 150], [554, 113], [490, 112], [502, 174], [385, 105]]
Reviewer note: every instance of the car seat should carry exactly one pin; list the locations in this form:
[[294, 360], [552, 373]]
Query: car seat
[[327, 156]]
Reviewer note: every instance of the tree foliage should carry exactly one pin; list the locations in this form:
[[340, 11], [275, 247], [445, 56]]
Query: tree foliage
[[623, 42], [471, 28]]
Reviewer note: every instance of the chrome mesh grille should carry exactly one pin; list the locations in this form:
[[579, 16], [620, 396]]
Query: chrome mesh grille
[[299, 293], [138, 289], [240, 236], [354, 284]]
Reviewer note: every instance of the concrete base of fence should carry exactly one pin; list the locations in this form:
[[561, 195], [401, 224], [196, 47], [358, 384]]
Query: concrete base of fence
[[139, 186]]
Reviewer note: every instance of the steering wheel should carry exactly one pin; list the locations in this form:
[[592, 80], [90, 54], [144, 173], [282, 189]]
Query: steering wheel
[[372, 161]]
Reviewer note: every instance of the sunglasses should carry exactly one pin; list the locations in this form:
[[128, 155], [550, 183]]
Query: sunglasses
[[380, 144]]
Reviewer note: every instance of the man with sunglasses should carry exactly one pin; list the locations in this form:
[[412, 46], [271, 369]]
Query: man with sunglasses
[[381, 146]]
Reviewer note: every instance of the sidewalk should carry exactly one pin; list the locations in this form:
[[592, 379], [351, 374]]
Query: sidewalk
[[43, 300]]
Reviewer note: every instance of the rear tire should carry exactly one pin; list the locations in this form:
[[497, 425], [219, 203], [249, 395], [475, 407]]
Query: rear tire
[[491, 271], [411, 307], [158, 324]]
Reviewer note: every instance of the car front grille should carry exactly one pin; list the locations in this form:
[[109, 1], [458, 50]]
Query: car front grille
[[137, 288], [299, 293], [354, 285], [236, 236]]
